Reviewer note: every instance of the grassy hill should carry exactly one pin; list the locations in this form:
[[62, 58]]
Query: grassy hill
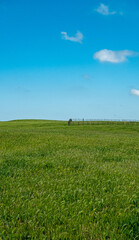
[[69, 182]]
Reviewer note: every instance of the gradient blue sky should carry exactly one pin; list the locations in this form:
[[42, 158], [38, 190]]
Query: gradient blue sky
[[48, 74]]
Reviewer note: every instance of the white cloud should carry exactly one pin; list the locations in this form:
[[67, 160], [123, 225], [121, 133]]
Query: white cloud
[[135, 92], [104, 10], [77, 38], [113, 56]]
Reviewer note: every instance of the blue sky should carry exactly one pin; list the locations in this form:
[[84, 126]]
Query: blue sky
[[69, 59]]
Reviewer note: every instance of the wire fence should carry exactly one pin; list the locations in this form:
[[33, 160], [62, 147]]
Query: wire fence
[[101, 122]]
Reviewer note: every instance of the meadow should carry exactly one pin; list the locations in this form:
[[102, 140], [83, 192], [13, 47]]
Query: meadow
[[69, 182]]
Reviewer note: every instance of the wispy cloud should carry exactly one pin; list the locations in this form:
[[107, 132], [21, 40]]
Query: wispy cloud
[[135, 92], [23, 90], [77, 38], [85, 76], [113, 56], [104, 10]]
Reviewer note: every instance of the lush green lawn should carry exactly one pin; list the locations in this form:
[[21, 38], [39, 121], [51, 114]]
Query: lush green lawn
[[69, 182]]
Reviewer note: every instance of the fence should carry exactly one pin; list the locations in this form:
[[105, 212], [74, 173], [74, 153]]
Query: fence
[[101, 122]]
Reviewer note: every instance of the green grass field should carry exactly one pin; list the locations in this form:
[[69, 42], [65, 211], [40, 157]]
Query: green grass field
[[69, 182]]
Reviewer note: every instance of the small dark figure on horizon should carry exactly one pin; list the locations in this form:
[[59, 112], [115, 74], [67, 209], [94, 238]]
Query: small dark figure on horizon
[[70, 120]]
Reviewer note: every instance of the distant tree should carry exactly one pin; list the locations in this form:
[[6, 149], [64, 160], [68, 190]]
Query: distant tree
[[70, 120]]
